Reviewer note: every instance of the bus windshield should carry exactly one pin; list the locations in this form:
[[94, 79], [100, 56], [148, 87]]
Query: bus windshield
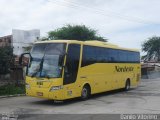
[[47, 60]]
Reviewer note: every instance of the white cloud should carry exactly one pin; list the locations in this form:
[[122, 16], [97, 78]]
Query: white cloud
[[114, 19]]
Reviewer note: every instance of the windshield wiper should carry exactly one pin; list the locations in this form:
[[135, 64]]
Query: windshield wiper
[[41, 65], [34, 74]]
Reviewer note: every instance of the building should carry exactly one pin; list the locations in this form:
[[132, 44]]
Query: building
[[6, 41], [23, 38], [19, 39], [150, 70]]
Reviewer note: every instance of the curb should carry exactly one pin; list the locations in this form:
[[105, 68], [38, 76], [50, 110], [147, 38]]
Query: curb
[[17, 95]]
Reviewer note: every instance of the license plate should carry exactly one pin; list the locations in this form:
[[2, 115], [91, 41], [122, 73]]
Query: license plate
[[39, 93]]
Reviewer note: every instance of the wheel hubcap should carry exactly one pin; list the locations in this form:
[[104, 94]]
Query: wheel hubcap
[[127, 86], [84, 93]]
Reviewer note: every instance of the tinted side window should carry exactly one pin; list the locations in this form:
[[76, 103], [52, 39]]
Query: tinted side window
[[89, 55], [101, 55], [113, 55], [136, 57], [123, 56], [72, 63], [93, 55]]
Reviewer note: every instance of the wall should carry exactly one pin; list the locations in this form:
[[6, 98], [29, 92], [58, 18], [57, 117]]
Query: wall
[[24, 38], [6, 41]]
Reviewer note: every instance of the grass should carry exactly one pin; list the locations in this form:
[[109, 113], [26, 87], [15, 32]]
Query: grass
[[12, 89]]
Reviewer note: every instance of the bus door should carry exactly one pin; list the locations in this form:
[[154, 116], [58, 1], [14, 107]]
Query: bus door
[[71, 70]]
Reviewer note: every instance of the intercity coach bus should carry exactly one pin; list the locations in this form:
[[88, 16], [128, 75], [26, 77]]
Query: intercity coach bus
[[64, 69]]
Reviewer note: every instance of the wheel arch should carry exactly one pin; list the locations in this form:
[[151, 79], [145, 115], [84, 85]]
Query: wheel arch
[[129, 80], [88, 85]]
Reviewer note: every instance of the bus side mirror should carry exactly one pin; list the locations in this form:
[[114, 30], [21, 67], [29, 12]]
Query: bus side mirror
[[24, 59]]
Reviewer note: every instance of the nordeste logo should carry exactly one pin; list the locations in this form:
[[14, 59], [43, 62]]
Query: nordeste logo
[[123, 69]]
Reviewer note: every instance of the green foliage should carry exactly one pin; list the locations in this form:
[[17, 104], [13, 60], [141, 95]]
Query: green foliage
[[44, 39], [12, 89], [75, 32], [6, 54], [28, 48], [152, 48]]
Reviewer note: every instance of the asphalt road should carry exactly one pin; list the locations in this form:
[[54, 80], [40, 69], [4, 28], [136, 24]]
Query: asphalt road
[[144, 99]]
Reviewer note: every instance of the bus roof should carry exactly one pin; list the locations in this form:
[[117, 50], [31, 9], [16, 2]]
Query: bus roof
[[89, 42]]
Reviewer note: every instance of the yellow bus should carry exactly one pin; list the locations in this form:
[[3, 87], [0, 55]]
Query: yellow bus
[[64, 69]]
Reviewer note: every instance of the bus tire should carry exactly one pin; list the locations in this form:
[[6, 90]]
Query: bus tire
[[85, 94], [127, 85]]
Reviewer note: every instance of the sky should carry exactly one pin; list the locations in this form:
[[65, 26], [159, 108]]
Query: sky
[[127, 23]]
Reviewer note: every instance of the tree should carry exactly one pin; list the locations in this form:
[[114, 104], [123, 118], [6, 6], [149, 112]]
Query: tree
[[28, 48], [6, 55], [75, 32], [152, 48]]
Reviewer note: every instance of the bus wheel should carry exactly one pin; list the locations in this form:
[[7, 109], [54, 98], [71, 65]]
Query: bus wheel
[[85, 92], [127, 85]]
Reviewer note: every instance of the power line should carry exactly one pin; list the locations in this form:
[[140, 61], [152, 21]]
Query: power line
[[109, 13]]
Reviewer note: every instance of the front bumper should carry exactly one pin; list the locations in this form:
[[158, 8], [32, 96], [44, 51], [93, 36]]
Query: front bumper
[[45, 93]]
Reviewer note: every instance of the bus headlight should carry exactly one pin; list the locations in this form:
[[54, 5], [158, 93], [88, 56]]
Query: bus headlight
[[27, 86], [53, 88]]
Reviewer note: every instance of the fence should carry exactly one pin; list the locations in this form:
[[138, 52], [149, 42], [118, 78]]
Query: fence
[[15, 76], [151, 72]]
